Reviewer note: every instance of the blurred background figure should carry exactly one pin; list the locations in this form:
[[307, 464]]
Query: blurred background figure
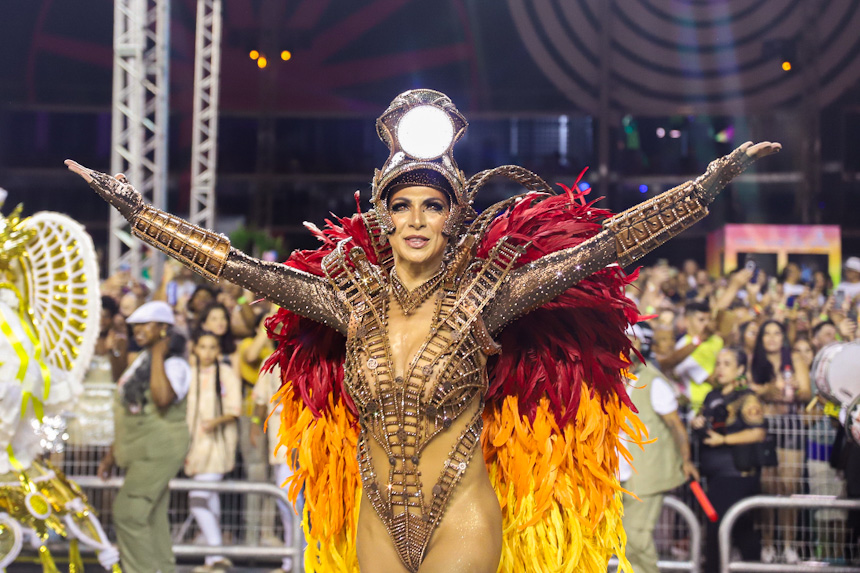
[[150, 440]]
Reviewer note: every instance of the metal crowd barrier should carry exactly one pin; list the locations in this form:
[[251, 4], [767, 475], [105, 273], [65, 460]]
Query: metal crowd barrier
[[793, 502], [295, 550], [692, 564]]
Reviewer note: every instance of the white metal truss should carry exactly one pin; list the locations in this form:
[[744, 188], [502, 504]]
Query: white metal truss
[[140, 115], [204, 149]]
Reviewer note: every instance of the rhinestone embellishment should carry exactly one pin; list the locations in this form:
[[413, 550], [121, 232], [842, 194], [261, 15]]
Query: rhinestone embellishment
[[372, 363]]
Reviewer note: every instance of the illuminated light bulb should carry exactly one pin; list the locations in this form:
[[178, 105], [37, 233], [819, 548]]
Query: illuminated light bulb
[[286, 55], [254, 54], [786, 66], [425, 132], [262, 62], [661, 132], [674, 134]]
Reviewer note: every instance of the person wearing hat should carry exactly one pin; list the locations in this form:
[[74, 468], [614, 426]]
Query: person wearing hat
[[151, 440], [850, 285]]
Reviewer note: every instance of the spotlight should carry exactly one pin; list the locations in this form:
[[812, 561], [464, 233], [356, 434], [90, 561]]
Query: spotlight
[[674, 134], [661, 133], [786, 66], [262, 62], [425, 132], [254, 54], [286, 55], [643, 188], [584, 186]]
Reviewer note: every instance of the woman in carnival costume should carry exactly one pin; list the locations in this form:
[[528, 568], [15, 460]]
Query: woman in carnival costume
[[421, 334], [49, 309]]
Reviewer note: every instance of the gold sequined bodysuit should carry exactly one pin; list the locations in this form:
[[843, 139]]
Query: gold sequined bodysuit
[[402, 412]]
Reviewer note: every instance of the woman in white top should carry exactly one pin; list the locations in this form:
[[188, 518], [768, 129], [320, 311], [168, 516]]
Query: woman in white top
[[214, 405]]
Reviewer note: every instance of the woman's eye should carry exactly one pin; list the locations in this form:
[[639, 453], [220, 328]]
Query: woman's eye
[[436, 207], [399, 207]]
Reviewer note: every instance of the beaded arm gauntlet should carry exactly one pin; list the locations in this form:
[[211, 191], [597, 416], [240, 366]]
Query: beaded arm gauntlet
[[626, 237], [211, 255], [643, 228]]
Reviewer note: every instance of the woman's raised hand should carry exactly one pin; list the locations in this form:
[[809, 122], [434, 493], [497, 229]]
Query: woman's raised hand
[[115, 190], [759, 150]]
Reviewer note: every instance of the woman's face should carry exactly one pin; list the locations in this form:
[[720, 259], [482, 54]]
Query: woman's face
[[200, 300], [804, 350], [792, 273], [818, 281], [215, 322], [750, 334], [148, 333], [772, 339], [206, 349], [418, 214], [727, 370], [128, 303]]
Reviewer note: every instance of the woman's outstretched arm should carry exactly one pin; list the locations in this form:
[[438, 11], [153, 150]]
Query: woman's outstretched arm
[[211, 255], [625, 238]]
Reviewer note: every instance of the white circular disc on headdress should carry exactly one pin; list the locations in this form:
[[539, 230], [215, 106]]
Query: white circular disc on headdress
[[425, 132]]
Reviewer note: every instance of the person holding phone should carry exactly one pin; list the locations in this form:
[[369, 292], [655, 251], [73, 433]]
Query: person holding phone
[[151, 440]]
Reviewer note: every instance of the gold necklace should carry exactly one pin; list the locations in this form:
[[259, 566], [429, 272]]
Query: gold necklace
[[410, 300]]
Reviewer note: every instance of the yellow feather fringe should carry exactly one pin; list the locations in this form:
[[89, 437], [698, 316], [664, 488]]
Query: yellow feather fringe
[[328, 472], [558, 488]]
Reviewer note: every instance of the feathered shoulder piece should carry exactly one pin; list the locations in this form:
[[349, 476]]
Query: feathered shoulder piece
[[557, 402]]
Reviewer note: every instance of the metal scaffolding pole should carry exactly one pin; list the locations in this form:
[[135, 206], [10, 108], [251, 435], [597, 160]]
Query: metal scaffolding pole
[[140, 117], [204, 149]]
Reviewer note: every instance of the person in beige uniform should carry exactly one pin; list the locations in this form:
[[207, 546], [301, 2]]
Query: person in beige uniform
[[214, 405], [660, 467], [151, 440]]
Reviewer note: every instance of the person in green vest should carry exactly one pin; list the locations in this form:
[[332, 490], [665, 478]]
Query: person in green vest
[[151, 440], [658, 467]]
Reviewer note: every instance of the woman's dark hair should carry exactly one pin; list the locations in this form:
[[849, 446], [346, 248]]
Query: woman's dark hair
[[742, 330], [226, 342], [740, 356], [783, 275], [195, 338], [828, 282], [761, 369], [821, 325], [198, 290], [110, 305]]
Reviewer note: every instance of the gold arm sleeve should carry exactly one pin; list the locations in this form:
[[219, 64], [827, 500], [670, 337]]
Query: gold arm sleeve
[[201, 250], [626, 237], [535, 284], [641, 229], [210, 254]]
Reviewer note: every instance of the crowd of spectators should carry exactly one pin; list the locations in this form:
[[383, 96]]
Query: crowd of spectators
[[738, 350], [222, 333]]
